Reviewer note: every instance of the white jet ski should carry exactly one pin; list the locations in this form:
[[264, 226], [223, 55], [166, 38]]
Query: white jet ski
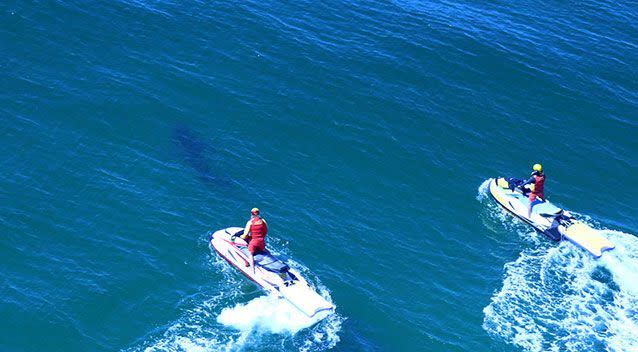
[[554, 222], [271, 274]]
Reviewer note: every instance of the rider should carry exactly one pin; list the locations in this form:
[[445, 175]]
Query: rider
[[537, 180], [255, 233]]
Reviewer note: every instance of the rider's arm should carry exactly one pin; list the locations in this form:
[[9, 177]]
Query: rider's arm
[[246, 230], [532, 179]]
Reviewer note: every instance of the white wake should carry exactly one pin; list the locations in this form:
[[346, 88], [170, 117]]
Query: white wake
[[557, 297], [229, 322]]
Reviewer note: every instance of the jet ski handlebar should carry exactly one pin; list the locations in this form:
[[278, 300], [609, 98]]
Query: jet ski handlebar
[[236, 234]]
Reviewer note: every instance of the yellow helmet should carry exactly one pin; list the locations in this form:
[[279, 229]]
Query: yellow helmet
[[254, 211], [538, 167]]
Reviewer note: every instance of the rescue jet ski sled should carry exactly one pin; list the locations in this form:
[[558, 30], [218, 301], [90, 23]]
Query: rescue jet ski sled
[[552, 221], [270, 273]]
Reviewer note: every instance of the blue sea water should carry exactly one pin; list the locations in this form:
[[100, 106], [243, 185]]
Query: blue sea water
[[364, 130]]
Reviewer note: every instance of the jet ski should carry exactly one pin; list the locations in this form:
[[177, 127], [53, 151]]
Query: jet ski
[[270, 273], [554, 222]]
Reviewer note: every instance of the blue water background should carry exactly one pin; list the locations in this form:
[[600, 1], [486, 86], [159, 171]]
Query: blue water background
[[131, 129]]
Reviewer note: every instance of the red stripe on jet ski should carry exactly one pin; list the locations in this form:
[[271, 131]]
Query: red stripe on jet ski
[[242, 258], [234, 244], [238, 268]]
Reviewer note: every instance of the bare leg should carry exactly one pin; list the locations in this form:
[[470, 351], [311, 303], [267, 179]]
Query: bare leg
[[531, 204], [252, 259], [252, 262]]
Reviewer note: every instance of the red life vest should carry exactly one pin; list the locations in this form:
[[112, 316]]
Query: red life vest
[[258, 228], [539, 185]]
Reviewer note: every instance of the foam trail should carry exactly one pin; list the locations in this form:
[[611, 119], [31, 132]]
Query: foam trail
[[622, 262], [266, 313], [225, 322], [483, 189], [562, 299]]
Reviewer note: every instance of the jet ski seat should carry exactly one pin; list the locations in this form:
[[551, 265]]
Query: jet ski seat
[[543, 208], [268, 261], [546, 208]]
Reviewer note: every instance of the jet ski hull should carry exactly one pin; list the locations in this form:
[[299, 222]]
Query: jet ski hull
[[548, 219], [271, 274]]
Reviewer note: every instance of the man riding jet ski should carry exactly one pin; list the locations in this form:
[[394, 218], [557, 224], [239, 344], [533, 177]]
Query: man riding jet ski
[[255, 234], [537, 194], [525, 199], [245, 249], [536, 190]]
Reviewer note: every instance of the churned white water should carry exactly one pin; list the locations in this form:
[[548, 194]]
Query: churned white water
[[557, 297], [227, 322]]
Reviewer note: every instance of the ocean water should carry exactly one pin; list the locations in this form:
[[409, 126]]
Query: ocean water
[[364, 130]]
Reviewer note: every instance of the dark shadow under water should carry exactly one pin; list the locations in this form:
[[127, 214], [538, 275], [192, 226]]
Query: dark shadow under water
[[199, 155]]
